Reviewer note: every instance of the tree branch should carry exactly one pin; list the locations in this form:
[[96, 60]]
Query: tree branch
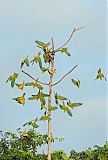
[[75, 29], [64, 76], [34, 78]]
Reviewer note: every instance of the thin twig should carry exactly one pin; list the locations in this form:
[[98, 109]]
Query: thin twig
[[34, 78], [64, 76], [75, 29]]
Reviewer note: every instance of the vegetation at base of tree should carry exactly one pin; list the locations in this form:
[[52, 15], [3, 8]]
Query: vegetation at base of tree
[[24, 144]]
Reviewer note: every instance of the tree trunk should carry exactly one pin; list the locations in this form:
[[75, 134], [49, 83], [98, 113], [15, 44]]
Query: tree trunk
[[49, 103]]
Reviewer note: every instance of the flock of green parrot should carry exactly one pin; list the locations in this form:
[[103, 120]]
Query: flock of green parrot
[[41, 96]]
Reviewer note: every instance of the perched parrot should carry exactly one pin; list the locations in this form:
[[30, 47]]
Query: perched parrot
[[45, 117], [42, 45], [34, 84], [25, 134], [76, 83], [100, 75], [21, 99], [20, 86], [43, 69], [51, 71], [36, 59], [51, 108], [43, 106], [12, 78]]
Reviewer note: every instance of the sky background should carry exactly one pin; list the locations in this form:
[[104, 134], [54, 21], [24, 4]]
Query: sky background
[[21, 23]]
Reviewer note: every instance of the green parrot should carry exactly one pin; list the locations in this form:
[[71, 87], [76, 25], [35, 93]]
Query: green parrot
[[34, 84], [51, 71], [76, 83], [65, 109], [21, 99], [65, 50], [25, 61], [42, 45], [12, 78], [73, 105], [36, 59], [45, 117], [40, 95], [58, 97], [25, 134], [20, 86], [100, 75]]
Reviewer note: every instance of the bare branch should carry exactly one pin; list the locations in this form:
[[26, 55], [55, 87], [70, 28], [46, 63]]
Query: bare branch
[[34, 78], [64, 76], [75, 29]]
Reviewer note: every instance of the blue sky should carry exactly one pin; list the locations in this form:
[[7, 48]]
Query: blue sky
[[21, 23]]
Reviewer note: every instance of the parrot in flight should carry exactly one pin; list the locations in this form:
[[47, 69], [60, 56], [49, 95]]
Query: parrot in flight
[[21, 99], [76, 83], [12, 79], [20, 86], [100, 75]]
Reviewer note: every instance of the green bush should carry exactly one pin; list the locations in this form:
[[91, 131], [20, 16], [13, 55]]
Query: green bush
[[59, 155]]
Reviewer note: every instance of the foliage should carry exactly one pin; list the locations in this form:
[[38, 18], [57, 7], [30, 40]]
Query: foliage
[[24, 147], [99, 153], [57, 155], [27, 141]]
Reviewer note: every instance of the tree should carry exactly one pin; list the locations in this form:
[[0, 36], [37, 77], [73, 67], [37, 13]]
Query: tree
[[61, 102]]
